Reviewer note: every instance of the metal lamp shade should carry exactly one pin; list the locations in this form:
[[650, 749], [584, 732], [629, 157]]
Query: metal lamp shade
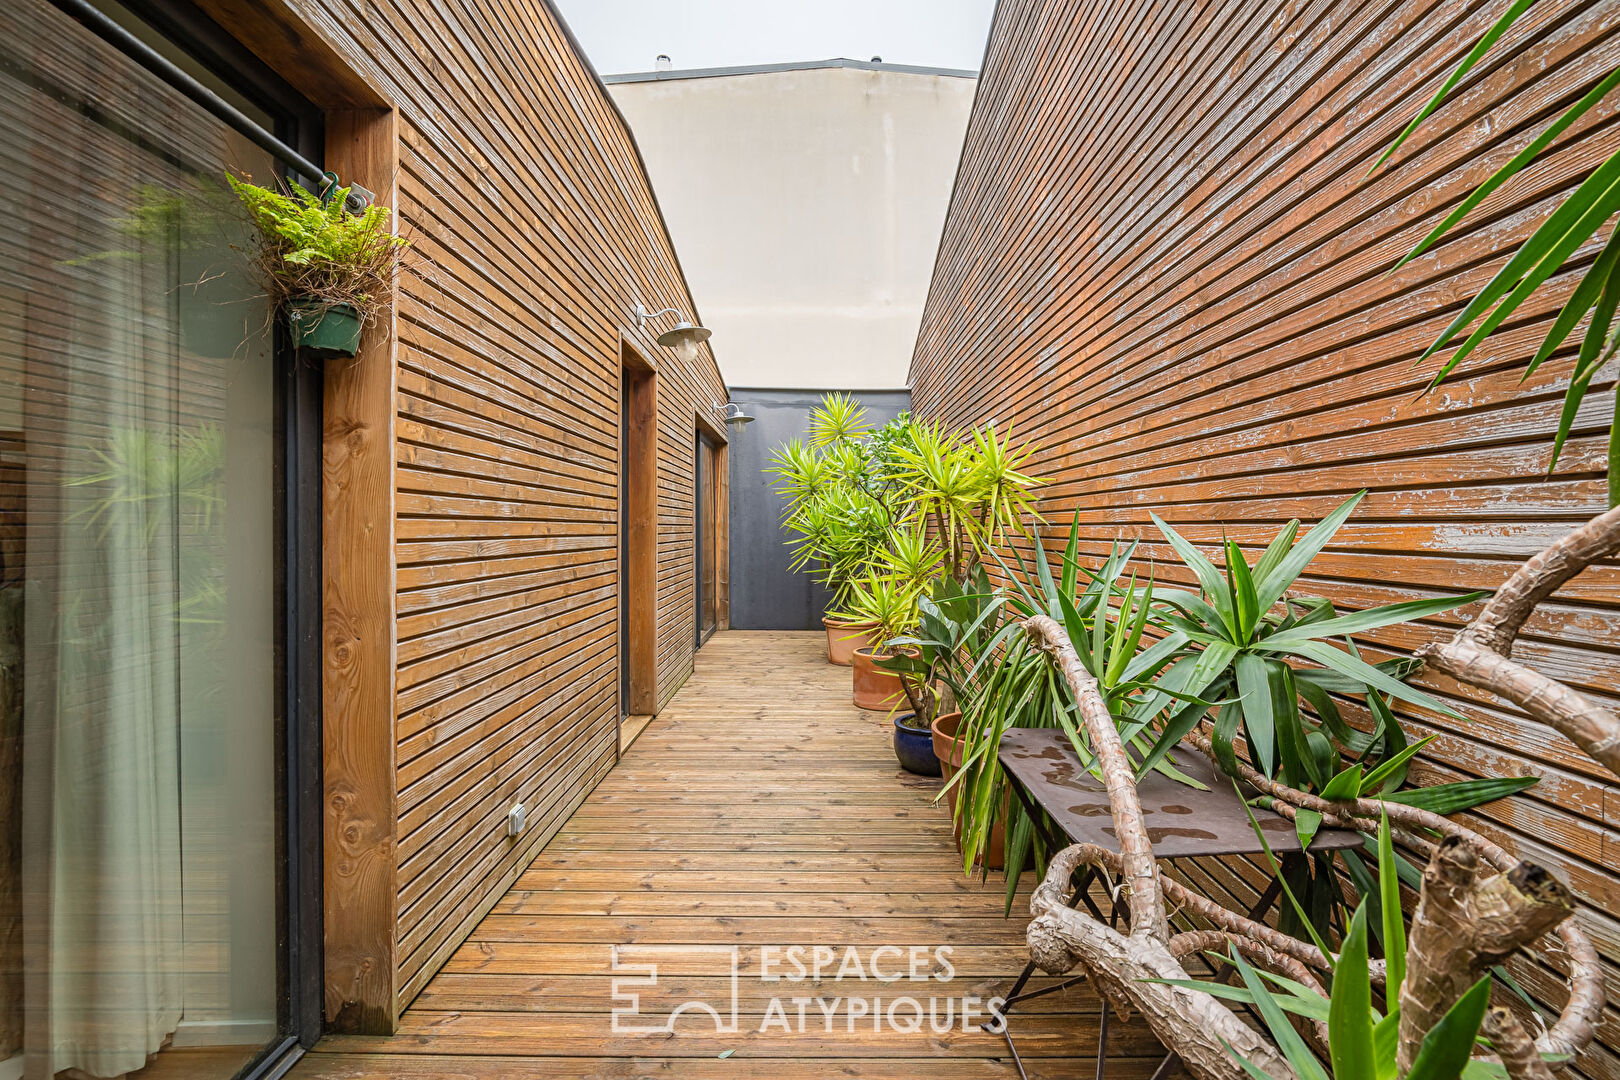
[[684, 338]]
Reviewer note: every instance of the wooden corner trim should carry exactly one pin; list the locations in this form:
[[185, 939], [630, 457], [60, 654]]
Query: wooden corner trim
[[360, 634], [287, 37]]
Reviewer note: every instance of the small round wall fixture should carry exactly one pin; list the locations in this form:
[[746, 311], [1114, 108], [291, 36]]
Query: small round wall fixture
[[734, 416], [684, 337]]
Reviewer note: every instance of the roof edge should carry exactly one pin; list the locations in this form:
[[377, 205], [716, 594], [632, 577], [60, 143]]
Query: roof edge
[[800, 65], [641, 163]]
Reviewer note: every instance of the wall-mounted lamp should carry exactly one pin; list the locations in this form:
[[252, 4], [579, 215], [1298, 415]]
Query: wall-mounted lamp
[[732, 413], [683, 337]]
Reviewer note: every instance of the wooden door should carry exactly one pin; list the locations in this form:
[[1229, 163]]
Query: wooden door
[[638, 536]]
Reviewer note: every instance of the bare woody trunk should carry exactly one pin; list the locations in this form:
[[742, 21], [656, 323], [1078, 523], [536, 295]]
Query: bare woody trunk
[[1467, 921], [1196, 1025], [1518, 1053], [1465, 924], [1481, 653]]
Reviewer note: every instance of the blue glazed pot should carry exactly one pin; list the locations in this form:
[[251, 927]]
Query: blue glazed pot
[[914, 748]]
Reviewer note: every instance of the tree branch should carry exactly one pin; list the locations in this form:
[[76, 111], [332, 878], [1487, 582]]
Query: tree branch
[[1481, 653], [1465, 924], [1141, 872], [1583, 722], [1514, 1047], [1129, 972]]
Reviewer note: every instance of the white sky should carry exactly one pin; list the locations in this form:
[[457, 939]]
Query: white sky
[[626, 35]]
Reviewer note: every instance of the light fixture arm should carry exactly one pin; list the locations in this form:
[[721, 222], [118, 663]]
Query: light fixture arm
[[643, 315]]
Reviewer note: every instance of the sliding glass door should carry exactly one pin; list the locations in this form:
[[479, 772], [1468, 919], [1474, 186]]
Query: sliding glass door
[[142, 719]]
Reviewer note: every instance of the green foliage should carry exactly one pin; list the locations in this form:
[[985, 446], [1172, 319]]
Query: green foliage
[[1249, 637], [190, 215], [1361, 1039], [145, 490], [968, 490], [839, 419], [881, 601], [311, 246], [938, 660], [1580, 218], [1011, 684], [1268, 656], [906, 500], [841, 493], [139, 474]]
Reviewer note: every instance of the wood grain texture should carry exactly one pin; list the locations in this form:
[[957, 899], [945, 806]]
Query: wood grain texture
[[640, 505], [824, 841], [524, 192], [357, 492], [1164, 263]]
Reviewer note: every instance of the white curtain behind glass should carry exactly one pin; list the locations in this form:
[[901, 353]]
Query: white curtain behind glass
[[116, 883], [140, 412]]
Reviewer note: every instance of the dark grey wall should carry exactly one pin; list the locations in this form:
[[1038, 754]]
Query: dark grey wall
[[765, 595]]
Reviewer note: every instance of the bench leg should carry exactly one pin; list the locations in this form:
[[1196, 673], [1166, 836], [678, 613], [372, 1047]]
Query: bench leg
[[1015, 994]]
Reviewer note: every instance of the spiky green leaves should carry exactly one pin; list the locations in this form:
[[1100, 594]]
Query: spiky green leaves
[[1573, 224]]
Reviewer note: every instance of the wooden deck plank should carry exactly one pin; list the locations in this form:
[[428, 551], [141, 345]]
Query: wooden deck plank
[[366, 1066], [758, 813]]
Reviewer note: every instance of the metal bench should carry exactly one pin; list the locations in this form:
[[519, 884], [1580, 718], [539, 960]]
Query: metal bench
[[1070, 806]]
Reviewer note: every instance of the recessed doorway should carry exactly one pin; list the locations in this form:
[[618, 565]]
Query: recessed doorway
[[638, 535]]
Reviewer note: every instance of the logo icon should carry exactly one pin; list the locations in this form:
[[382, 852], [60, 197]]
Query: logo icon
[[628, 1019]]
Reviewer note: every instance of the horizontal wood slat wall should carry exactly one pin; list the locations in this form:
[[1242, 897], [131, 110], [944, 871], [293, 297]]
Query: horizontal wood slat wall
[[1162, 261], [537, 233]]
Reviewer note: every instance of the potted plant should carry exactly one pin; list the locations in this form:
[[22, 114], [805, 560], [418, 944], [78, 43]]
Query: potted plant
[[843, 528], [954, 625], [842, 497], [328, 270], [891, 607]]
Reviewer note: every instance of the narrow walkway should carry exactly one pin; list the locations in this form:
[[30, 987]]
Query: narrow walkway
[[759, 809]]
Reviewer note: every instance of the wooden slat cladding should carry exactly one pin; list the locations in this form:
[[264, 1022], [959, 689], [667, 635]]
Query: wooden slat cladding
[[537, 233], [1163, 262]]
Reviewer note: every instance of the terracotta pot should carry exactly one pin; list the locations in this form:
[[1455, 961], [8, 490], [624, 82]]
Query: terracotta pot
[[844, 638], [875, 689], [949, 752]]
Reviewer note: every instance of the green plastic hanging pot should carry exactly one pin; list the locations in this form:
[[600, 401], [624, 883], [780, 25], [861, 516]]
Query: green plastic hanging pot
[[327, 330]]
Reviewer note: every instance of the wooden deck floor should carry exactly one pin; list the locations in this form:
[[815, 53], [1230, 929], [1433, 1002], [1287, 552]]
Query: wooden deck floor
[[759, 809]]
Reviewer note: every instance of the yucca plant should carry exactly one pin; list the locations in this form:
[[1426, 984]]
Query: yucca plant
[[1360, 1039], [1248, 635], [839, 419], [967, 491], [1012, 685], [801, 473], [937, 660], [842, 498], [141, 477], [1269, 658], [911, 556], [1583, 215], [840, 534], [877, 599]]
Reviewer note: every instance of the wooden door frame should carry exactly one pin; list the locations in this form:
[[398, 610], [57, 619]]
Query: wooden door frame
[[717, 524], [359, 879], [638, 506]]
